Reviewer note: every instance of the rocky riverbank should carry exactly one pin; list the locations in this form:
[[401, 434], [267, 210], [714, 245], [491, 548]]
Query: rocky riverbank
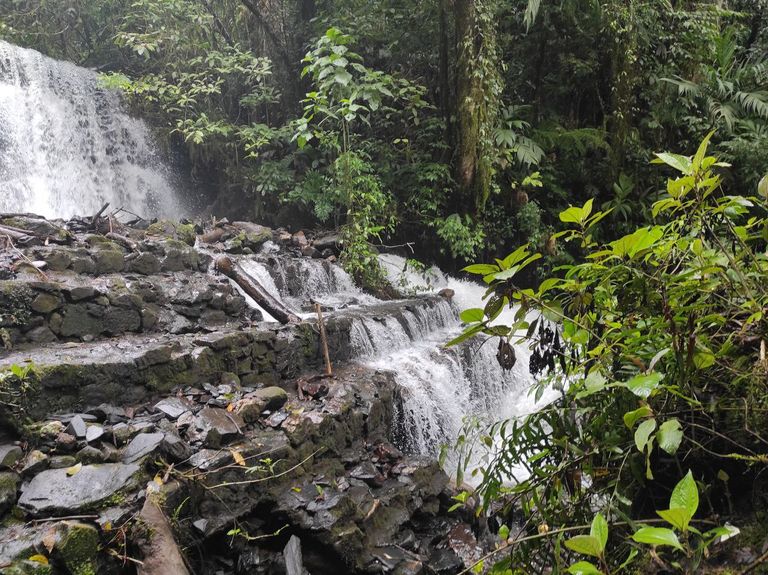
[[152, 423]]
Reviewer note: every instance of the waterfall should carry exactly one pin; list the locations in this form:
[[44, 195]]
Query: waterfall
[[439, 387], [67, 145]]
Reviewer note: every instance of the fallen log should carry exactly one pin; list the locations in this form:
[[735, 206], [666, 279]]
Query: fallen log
[[123, 241], [255, 290]]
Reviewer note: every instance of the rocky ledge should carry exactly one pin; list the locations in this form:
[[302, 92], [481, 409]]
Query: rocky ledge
[[152, 424]]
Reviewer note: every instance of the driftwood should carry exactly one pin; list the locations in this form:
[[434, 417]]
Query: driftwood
[[16, 233], [255, 290], [123, 241]]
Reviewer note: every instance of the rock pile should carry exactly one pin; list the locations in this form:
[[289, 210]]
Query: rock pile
[[159, 426]]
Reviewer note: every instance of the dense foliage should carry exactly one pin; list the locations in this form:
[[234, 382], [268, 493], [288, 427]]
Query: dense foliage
[[454, 104], [657, 341]]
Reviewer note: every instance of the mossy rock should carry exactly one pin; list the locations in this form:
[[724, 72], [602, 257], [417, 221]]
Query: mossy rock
[[78, 548], [15, 303], [172, 230]]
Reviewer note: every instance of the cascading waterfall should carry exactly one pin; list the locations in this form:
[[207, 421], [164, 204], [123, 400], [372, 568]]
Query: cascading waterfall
[[439, 387], [67, 146]]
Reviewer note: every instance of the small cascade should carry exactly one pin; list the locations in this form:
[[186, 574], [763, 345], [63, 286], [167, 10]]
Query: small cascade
[[439, 387], [67, 145]]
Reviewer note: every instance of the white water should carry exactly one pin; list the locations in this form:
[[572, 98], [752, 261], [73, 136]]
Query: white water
[[440, 387], [67, 146]]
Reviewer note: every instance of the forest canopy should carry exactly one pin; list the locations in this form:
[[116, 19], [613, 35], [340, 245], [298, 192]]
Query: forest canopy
[[464, 126]]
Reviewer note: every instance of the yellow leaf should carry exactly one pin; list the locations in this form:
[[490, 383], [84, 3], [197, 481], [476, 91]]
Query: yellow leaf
[[74, 469], [231, 407], [42, 559], [107, 526], [159, 480], [239, 459]]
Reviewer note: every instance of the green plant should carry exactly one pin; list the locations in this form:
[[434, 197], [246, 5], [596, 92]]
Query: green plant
[[635, 337]]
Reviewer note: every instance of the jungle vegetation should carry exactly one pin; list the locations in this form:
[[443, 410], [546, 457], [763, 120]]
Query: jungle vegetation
[[623, 144]]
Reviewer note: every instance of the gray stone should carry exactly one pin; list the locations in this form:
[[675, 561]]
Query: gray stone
[[54, 492], [9, 455], [78, 320], [81, 292], [120, 320], [108, 261], [45, 303], [175, 448], [77, 427], [294, 563], [61, 461], [35, 462], [94, 432], [9, 486], [42, 334], [145, 263], [173, 407], [210, 459], [215, 425], [141, 446], [90, 454]]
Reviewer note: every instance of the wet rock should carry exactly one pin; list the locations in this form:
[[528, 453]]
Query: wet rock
[[77, 427], [54, 492], [175, 448], [331, 241], [94, 433], [35, 462], [141, 446], [173, 407], [464, 543], [41, 334], [46, 303], [215, 425], [79, 293], [9, 486], [409, 567], [108, 413], [61, 461], [145, 263], [294, 563], [66, 442], [160, 553], [9, 456], [108, 262], [368, 473], [77, 547], [210, 459], [89, 454], [267, 398], [311, 252], [445, 562]]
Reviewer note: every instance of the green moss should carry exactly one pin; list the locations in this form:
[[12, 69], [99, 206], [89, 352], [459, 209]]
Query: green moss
[[78, 549], [15, 303]]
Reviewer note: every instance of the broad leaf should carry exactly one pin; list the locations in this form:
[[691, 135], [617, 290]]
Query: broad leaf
[[677, 517], [631, 417], [643, 433], [599, 530], [685, 495], [669, 436], [643, 385], [481, 269], [585, 544], [680, 163], [472, 315], [657, 536], [584, 568]]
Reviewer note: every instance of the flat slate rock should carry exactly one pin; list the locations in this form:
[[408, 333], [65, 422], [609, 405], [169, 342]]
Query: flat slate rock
[[142, 445], [9, 455], [173, 407], [54, 492]]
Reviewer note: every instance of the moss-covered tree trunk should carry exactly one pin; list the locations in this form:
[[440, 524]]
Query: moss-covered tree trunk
[[478, 89]]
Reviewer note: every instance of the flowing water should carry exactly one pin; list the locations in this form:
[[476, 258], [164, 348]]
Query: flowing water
[[439, 387], [67, 145]]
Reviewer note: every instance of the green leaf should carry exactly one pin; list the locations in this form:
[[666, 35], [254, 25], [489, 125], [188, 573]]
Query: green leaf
[[657, 536], [584, 568], [762, 187], [472, 315], [342, 77], [599, 530], [670, 435], [677, 517], [680, 163], [643, 433], [644, 384], [503, 532], [585, 544], [481, 269], [685, 495], [631, 417]]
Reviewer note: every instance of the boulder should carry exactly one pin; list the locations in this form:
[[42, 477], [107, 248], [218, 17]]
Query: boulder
[[9, 456], [268, 398], [214, 425], [173, 407], [55, 492], [9, 487]]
